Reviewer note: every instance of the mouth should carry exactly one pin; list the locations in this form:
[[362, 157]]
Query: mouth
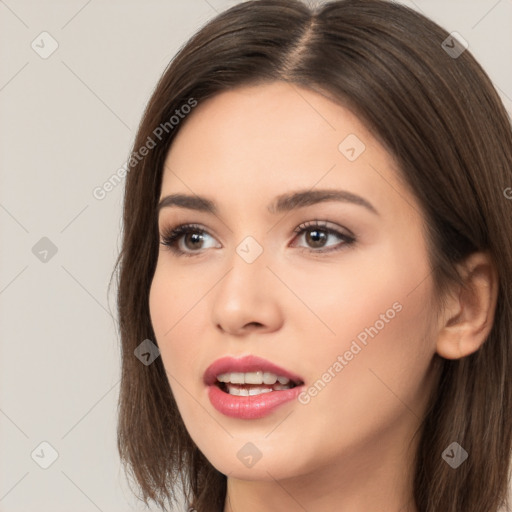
[[249, 387], [253, 383], [249, 372]]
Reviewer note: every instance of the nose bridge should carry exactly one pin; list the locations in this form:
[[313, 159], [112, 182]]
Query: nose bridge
[[245, 296], [248, 268]]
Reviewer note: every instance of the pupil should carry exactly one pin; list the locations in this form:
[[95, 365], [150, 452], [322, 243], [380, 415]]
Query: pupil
[[316, 237], [195, 237]]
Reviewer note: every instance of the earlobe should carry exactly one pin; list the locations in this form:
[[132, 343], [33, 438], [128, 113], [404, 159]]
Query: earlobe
[[469, 311]]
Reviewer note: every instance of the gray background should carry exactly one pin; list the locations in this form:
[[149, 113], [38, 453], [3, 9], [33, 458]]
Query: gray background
[[67, 122]]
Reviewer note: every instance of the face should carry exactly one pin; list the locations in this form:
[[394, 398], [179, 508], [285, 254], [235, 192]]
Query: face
[[307, 252]]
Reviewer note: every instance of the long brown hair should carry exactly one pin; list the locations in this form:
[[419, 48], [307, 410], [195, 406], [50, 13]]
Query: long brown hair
[[438, 114]]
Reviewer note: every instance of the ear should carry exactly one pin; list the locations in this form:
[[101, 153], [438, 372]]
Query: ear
[[469, 311]]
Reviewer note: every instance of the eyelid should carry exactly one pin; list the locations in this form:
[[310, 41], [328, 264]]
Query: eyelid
[[328, 226]]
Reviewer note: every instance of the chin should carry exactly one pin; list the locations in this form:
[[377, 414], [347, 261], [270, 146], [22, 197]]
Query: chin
[[241, 459]]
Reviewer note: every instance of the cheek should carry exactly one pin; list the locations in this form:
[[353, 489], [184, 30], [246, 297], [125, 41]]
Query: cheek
[[170, 304], [381, 377], [378, 292], [375, 366], [372, 305], [173, 301]]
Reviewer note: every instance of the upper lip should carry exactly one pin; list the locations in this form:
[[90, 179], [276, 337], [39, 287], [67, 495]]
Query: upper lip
[[245, 364]]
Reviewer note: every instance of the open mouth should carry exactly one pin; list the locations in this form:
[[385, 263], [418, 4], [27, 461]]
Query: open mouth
[[253, 383], [249, 387]]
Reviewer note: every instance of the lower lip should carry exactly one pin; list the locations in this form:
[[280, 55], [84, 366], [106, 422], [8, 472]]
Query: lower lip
[[250, 407]]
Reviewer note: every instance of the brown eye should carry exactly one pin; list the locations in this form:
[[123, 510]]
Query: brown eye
[[316, 238], [187, 240], [193, 241], [316, 235]]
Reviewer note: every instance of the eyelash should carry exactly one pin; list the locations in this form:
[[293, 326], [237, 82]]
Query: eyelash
[[171, 237]]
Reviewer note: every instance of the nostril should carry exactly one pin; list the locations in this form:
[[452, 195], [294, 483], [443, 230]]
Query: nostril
[[254, 324]]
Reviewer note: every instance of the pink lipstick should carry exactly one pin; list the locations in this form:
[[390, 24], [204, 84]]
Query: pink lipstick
[[249, 387]]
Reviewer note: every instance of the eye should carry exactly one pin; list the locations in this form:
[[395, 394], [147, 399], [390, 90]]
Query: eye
[[317, 233], [192, 239], [187, 239]]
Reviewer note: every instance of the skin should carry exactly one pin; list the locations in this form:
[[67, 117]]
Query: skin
[[350, 448]]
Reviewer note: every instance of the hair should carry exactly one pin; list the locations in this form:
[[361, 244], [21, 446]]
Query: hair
[[446, 127]]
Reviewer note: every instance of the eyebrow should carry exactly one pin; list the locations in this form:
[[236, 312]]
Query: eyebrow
[[283, 203]]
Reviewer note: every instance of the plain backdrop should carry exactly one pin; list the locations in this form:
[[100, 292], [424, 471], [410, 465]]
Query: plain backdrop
[[67, 120]]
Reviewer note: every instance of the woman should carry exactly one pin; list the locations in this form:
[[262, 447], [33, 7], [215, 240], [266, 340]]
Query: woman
[[318, 239]]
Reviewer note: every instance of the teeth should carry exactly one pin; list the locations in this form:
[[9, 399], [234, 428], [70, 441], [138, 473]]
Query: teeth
[[237, 378], [238, 391], [259, 377], [269, 378], [254, 378], [279, 387], [259, 391]]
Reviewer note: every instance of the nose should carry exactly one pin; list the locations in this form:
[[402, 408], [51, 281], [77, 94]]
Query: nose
[[246, 299]]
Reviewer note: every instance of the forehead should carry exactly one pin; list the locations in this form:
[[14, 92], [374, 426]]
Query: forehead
[[263, 140], [275, 120]]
